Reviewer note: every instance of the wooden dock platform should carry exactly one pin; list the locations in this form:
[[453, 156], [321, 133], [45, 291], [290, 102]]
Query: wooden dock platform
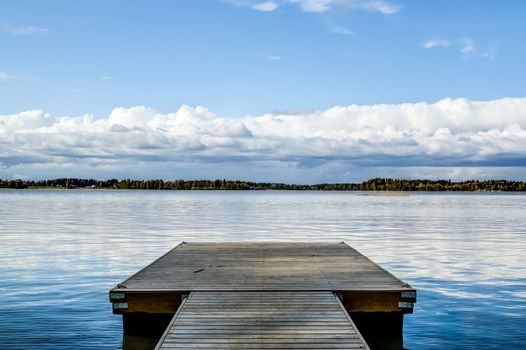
[[261, 320], [368, 293]]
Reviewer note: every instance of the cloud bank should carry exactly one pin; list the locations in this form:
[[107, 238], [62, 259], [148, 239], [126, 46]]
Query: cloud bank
[[451, 137]]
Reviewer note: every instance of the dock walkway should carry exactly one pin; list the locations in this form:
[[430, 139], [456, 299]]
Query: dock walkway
[[261, 320]]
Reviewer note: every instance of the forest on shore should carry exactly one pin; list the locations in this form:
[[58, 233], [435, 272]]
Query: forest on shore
[[376, 184]]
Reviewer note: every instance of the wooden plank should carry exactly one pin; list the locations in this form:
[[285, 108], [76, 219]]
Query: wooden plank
[[261, 320]]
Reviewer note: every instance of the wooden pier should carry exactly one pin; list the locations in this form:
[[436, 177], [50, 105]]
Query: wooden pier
[[262, 320], [285, 293]]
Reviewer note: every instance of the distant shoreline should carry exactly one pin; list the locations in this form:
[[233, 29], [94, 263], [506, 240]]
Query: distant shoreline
[[372, 185]]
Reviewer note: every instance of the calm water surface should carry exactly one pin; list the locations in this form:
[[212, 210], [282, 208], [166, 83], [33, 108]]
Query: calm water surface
[[61, 251]]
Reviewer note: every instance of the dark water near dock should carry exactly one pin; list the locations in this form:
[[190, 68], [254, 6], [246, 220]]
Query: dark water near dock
[[61, 251]]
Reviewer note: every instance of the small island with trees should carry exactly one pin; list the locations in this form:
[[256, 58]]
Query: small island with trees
[[376, 184]]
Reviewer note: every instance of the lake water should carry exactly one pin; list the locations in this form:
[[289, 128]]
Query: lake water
[[61, 251]]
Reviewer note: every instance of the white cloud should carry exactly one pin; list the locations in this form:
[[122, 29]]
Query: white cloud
[[271, 57], [451, 133], [313, 5], [320, 6], [378, 6], [490, 54], [267, 6], [429, 44], [341, 30], [367, 5], [105, 77], [467, 46], [5, 76], [240, 3], [22, 30]]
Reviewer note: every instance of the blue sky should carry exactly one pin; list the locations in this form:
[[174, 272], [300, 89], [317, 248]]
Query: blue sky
[[244, 59], [95, 55]]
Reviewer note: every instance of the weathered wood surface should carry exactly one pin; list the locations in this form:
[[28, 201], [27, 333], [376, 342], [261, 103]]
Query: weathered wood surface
[[262, 320], [263, 266]]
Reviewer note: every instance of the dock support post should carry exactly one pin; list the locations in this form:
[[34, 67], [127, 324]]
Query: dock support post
[[145, 324], [381, 330]]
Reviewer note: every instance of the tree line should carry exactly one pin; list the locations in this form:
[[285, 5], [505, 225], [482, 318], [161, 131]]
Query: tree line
[[376, 184]]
